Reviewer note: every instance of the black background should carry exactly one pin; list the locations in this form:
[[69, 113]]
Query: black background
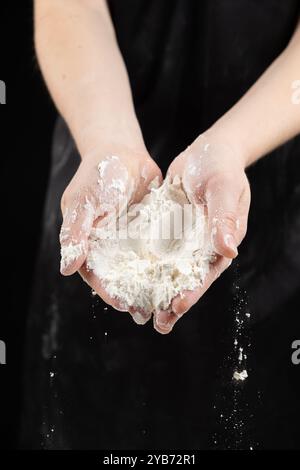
[[26, 129]]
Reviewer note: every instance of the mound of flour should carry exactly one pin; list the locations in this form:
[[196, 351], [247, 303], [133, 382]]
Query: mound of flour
[[158, 250]]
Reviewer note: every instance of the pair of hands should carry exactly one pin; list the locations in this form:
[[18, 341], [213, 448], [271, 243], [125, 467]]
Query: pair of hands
[[213, 174]]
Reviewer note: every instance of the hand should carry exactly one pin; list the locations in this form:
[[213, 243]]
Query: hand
[[213, 175], [99, 186]]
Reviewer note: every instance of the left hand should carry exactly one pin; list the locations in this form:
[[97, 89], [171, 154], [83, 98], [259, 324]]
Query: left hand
[[213, 174], [90, 195]]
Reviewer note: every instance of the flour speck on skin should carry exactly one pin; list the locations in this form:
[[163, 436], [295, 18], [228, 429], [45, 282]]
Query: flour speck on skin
[[144, 173], [90, 214], [116, 186], [102, 166], [64, 234], [70, 253], [192, 169], [167, 251], [105, 163], [74, 216]]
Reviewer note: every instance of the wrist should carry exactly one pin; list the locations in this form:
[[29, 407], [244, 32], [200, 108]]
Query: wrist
[[233, 140], [95, 146], [97, 135], [102, 149]]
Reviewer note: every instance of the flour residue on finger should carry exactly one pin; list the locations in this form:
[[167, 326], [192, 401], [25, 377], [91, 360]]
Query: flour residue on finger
[[115, 185], [70, 253]]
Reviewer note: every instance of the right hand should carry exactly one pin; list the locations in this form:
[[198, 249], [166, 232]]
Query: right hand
[[88, 195], [213, 175]]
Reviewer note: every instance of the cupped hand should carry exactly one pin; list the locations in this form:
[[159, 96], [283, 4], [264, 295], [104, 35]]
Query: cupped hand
[[213, 174], [101, 185]]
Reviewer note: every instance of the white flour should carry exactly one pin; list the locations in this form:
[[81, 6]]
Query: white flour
[[240, 375], [70, 253], [161, 249]]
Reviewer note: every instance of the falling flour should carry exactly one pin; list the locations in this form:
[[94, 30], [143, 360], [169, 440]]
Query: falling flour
[[240, 375], [159, 249]]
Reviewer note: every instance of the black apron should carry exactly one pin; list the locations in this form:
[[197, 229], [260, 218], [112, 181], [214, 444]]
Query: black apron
[[96, 380]]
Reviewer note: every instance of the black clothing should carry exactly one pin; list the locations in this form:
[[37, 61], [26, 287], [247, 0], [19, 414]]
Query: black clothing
[[189, 61]]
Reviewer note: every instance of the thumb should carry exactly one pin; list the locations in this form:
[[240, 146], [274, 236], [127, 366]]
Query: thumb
[[222, 197], [78, 219]]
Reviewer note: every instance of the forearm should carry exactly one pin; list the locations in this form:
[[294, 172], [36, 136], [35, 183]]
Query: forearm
[[84, 71], [266, 116]]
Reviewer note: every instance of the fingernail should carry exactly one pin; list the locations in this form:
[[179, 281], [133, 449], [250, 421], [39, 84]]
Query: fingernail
[[162, 319], [139, 318], [175, 311], [230, 242]]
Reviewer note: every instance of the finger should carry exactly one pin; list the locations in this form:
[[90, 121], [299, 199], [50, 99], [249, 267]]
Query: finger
[[139, 316], [242, 221], [222, 196], [165, 320], [78, 220], [150, 175], [177, 167], [181, 304]]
